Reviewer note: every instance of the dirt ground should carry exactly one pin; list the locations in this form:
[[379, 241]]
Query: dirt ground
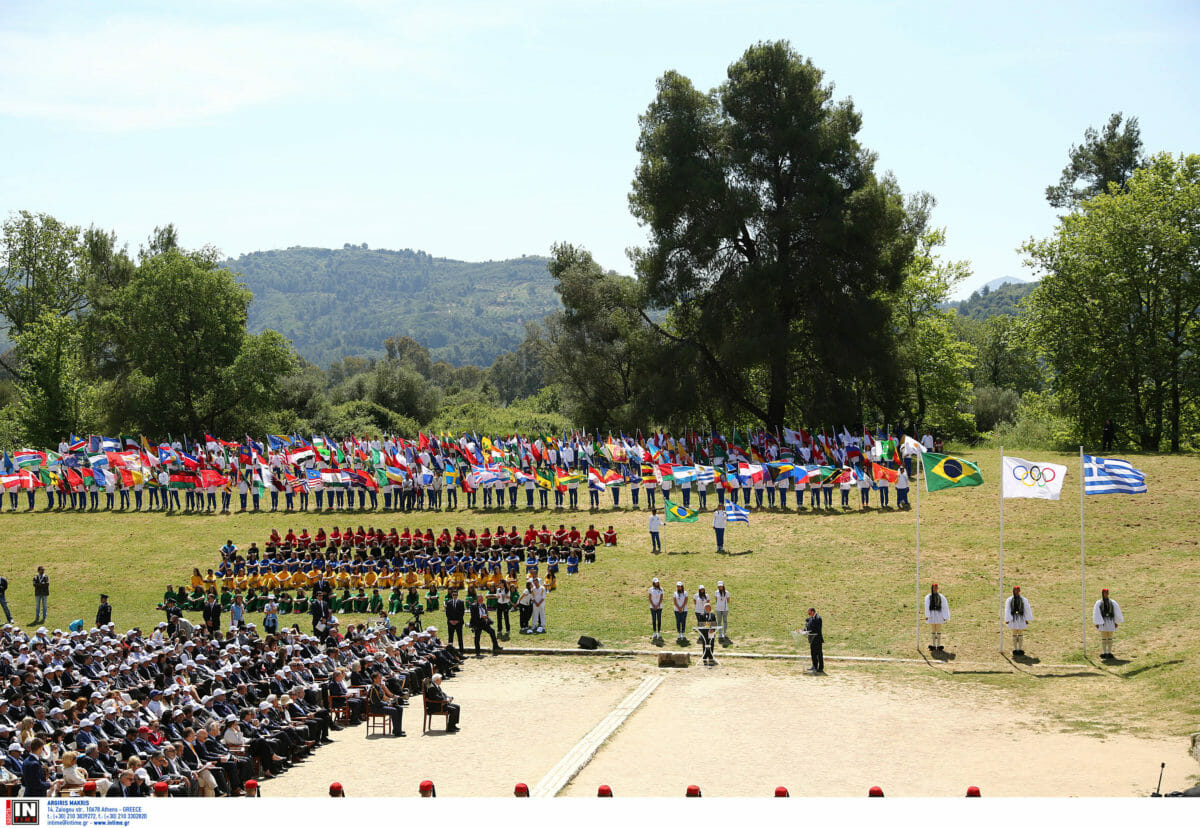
[[739, 730]]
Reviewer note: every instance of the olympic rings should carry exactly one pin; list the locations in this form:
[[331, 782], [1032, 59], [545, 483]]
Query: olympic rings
[[1033, 475]]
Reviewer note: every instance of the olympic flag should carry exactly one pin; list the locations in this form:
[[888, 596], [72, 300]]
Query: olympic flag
[[1038, 480]]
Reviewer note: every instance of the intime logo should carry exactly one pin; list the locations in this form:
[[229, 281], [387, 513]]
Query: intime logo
[[21, 812]]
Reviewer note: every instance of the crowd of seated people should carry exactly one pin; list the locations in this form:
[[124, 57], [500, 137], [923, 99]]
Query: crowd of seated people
[[100, 713]]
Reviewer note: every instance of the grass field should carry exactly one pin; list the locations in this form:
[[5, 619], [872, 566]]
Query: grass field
[[858, 568]]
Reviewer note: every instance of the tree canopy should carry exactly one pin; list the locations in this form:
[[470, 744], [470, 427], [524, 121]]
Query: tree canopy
[[1117, 314], [772, 242]]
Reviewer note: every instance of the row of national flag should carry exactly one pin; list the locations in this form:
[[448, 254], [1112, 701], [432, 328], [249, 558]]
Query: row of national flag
[[1044, 481]]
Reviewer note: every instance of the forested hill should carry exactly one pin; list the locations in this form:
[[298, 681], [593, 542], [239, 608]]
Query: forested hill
[[337, 303], [1002, 300]]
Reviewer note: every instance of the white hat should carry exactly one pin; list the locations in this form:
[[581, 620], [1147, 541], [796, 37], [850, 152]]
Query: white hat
[[655, 581], [679, 583], [720, 583]]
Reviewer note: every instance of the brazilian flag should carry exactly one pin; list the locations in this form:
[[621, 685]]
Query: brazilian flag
[[680, 514], [943, 471]]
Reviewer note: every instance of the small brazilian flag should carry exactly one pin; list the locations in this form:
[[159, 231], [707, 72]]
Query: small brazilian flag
[[945, 472], [680, 514]]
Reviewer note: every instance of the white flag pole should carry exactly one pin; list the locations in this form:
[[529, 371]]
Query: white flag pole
[[1002, 541], [1082, 556], [920, 458]]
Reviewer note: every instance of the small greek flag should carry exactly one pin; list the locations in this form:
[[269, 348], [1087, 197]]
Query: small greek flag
[[1105, 475], [736, 514]]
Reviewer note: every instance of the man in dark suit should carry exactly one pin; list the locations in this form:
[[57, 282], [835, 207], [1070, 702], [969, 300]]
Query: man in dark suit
[[480, 623], [455, 611], [438, 701], [104, 611], [816, 642], [212, 615], [128, 785], [382, 700], [33, 773]]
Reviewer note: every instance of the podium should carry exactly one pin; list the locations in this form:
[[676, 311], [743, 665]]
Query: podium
[[707, 634]]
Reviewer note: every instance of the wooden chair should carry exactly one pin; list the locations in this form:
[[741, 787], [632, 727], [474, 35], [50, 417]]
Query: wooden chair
[[431, 709], [379, 723]]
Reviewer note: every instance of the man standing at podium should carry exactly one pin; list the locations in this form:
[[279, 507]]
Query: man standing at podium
[[816, 641]]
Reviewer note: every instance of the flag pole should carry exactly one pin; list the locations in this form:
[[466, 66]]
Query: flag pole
[[1082, 558], [920, 457], [1002, 541]]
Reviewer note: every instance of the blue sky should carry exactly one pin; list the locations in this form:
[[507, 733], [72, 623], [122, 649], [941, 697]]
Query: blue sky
[[489, 130]]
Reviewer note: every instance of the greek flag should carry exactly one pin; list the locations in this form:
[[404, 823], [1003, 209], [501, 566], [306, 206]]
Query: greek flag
[[1105, 475], [736, 514]]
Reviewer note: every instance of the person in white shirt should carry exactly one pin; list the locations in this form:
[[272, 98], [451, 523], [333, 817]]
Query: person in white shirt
[[864, 488], [927, 441], [845, 485], [656, 602], [937, 613], [679, 600], [720, 602], [537, 594], [699, 600], [902, 488], [656, 525], [1017, 615], [719, 526], [1106, 615]]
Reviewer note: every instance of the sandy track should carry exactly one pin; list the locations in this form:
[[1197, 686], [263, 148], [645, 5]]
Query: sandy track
[[740, 730]]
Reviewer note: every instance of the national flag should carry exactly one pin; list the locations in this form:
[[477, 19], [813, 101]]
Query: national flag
[[680, 514], [183, 480], [1021, 478], [705, 475], [604, 479], [735, 513], [312, 480], [359, 479], [211, 477], [1107, 475], [452, 478], [189, 461], [29, 458], [879, 472], [782, 469], [649, 475], [912, 445], [683, 474], [299, 455], [543, 480], [77, 443], [943, 471], [752, 472], [562, 477], [98, 460], [279, 442]]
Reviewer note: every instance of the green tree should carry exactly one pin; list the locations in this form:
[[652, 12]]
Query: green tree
[[598, 347], [933, 361], [1107, 157], [1117, 314], [1003, 358], [41, 269], [772, 243], [181, 323], [55, 395]]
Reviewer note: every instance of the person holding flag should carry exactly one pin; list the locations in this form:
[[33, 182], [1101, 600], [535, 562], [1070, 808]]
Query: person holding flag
[[719, 526], [655, 526]]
